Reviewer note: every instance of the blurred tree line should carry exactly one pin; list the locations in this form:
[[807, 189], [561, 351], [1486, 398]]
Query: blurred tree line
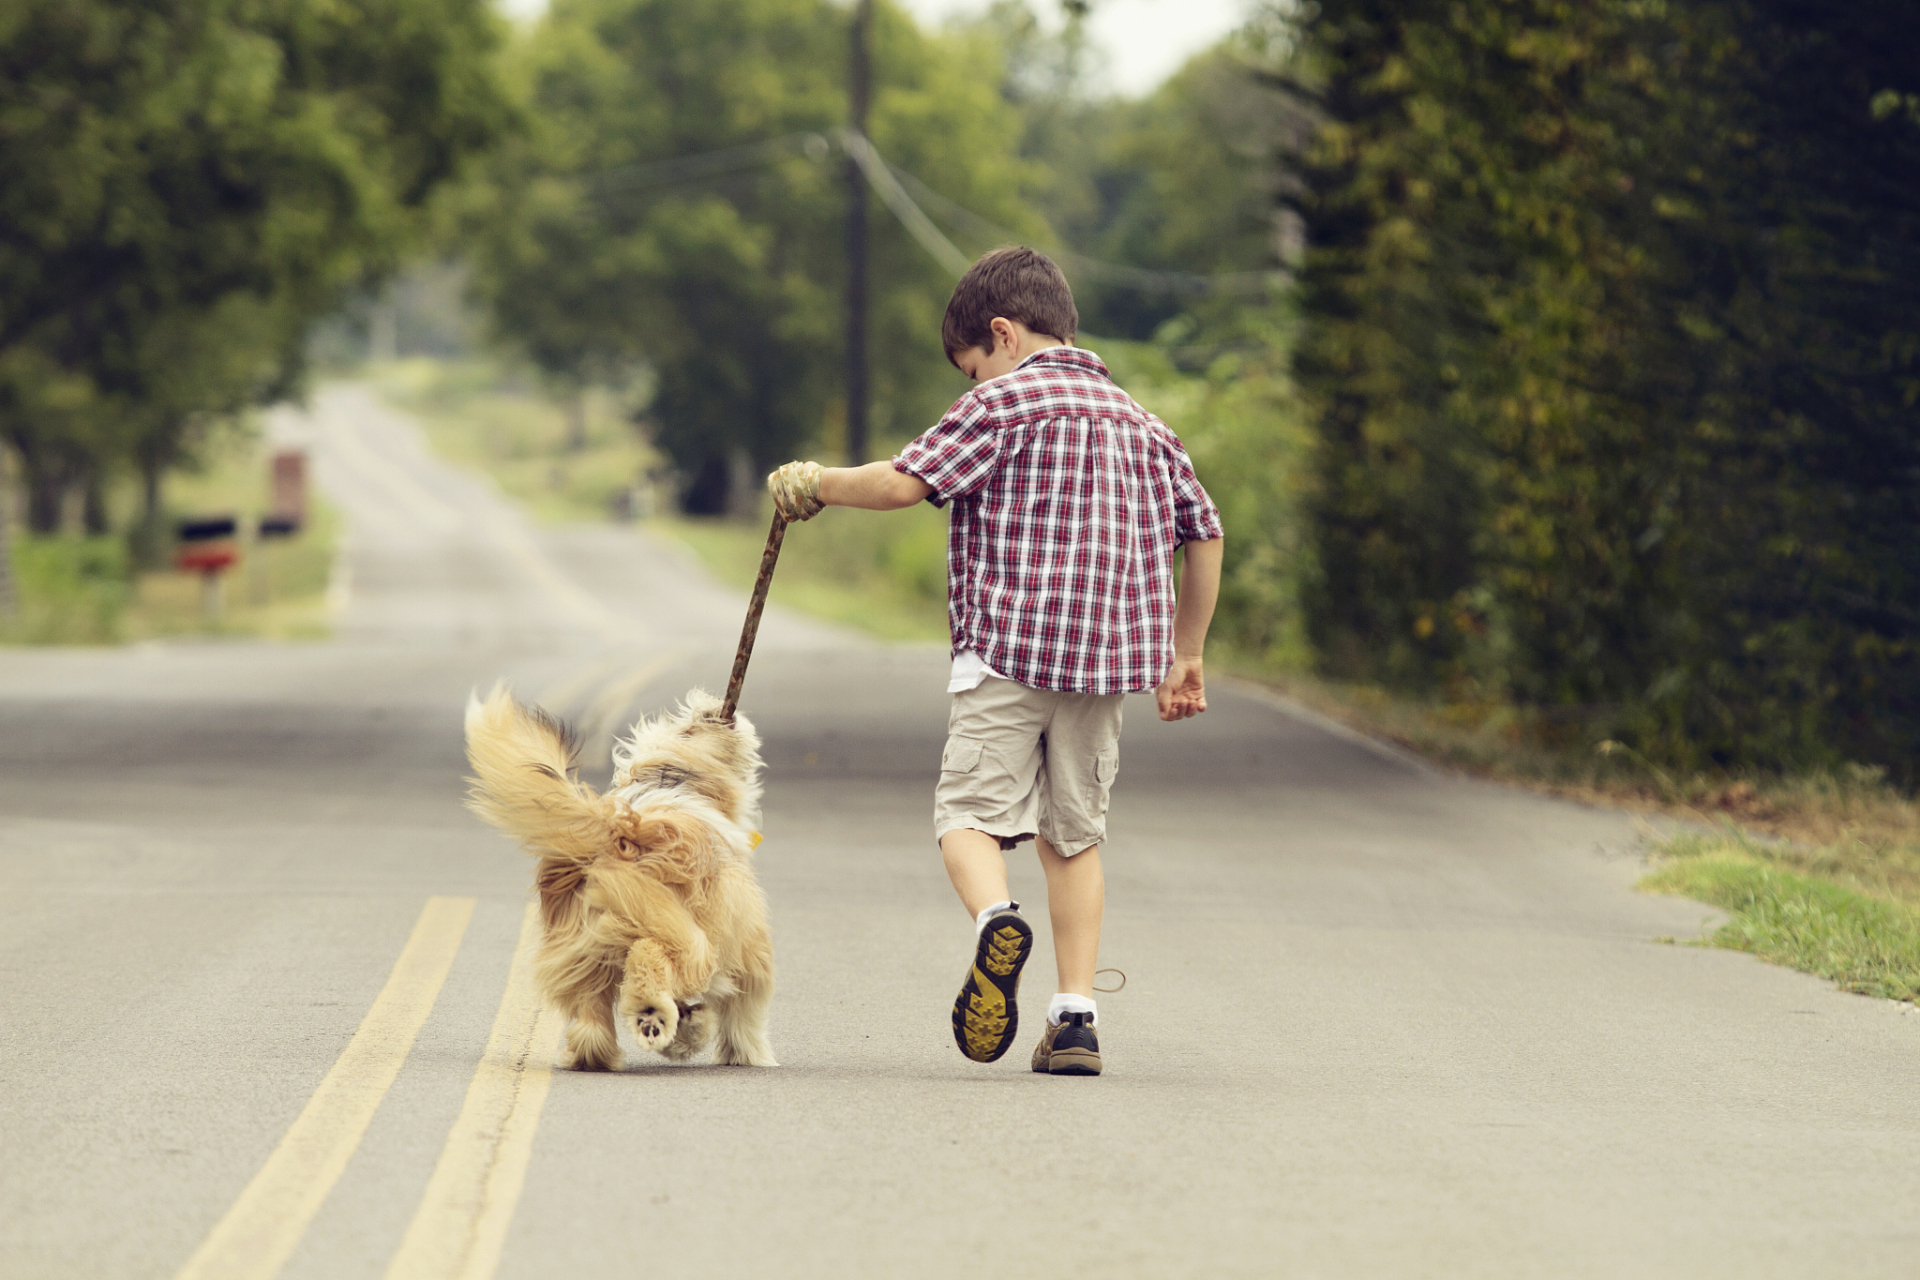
[[1612, 356], [676, 203], [189, 184], [1543, 354]]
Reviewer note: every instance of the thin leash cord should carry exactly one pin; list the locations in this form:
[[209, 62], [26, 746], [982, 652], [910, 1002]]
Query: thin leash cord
[[1107, 991]]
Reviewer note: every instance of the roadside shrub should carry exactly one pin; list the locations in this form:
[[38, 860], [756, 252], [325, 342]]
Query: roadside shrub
[[71, 590]]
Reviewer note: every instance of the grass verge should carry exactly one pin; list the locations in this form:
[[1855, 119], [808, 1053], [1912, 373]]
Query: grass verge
[[885, 574], [583, 462], [70, 590], [882, 574], [1818, 870], [1803, 917], [79, 590], [1847, 806]]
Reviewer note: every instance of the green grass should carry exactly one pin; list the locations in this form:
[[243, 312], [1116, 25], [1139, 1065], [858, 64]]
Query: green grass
[[79, 590], [70, 590], [1848, 805], [1819, 870], [884, 573], [1863, 941], [489, 419]]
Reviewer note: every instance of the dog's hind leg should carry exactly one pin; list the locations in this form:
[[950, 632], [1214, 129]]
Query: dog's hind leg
[[695, 1034], [592, 1042], [647, 1001], [743, 1014]]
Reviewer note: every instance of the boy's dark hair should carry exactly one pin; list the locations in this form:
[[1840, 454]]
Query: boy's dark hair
[[1018, 283]]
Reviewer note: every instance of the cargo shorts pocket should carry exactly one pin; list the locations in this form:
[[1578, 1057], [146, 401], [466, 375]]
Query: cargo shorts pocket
[[1106, 766], [962, 755]]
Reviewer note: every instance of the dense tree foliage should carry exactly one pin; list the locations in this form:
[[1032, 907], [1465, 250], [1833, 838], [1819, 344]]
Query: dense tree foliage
[[189, 183], [677, 201], [1612, 358], [1149, 197], [1605, 369]]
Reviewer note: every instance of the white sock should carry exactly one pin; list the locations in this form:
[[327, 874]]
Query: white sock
[[980, 921], [1065, 1002]]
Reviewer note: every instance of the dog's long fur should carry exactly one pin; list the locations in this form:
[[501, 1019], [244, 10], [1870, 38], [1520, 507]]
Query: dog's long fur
[[648, 899]]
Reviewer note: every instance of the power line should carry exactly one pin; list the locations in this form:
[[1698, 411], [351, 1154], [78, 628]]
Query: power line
[[904, 195], [707, 164], [1143, 278], [884, 180]]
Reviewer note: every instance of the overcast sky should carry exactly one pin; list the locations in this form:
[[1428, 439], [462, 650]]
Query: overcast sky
[[1145, 40]]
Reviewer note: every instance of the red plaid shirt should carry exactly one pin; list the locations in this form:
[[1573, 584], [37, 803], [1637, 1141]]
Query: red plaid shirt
[[1068, 500]]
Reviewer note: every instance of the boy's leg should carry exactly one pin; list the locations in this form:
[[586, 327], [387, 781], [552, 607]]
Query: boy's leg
[[986, 1015], [977, 868], [1076, 901], [989, 780], [1083, 756], [989, 794]]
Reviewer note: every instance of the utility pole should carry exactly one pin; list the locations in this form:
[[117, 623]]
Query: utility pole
[[860, 68], [9, 590]]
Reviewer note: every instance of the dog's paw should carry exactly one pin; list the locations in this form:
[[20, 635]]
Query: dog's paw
[[592, 1046], [655, 1022], [593, 1058], [732, 1053], [695, 1034]]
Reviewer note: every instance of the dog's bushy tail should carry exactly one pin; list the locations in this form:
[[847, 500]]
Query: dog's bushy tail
[[521, 759]]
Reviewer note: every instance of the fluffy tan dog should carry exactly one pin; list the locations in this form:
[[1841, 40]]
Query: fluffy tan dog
[[648, 896]]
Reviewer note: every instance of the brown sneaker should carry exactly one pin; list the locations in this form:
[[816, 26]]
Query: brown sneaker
[[985, 1016], [1069, 1049]]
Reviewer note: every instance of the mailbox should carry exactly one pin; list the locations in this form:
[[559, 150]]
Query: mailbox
[[207, 547]]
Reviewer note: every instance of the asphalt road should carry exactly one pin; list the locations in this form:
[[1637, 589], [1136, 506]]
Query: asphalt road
[[261, 1014]]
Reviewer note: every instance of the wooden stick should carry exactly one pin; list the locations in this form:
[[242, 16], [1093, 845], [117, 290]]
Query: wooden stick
[[768, 558]]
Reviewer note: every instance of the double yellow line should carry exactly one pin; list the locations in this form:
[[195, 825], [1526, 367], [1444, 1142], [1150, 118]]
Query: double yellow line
[[462, 1220], [461, 1223]]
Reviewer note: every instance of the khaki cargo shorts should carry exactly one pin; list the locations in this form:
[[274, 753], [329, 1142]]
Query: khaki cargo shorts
[[1021, 762]]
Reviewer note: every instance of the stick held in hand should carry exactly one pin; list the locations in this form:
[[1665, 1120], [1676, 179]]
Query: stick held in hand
[[768, 559]]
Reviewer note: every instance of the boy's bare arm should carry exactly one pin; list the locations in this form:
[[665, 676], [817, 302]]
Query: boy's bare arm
[[874, 487], [1183, 694], [800, 489]]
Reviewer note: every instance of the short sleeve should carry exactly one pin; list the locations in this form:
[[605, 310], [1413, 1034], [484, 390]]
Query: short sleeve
[[955, 455], [1195, 518]]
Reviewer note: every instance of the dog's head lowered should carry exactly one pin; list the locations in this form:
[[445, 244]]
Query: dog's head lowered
[[694, 748]]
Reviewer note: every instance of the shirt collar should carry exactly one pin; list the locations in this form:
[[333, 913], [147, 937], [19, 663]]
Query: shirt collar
[[1071, 357]]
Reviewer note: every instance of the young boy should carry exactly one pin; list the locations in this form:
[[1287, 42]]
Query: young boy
[[1068, 501]]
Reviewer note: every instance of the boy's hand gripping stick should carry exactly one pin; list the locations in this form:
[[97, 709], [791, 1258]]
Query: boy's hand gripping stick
[[768, 559]]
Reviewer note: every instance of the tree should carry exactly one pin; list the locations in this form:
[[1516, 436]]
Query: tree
[[1605, 320], [674, 204], [190, 183], [1187, 179]]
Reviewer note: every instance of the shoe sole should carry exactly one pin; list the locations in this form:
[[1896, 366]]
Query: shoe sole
[[986, 1016], [1073, 1062]]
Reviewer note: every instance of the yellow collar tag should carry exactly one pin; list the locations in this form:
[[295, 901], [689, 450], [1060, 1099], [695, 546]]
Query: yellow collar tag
[[753, 839]]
